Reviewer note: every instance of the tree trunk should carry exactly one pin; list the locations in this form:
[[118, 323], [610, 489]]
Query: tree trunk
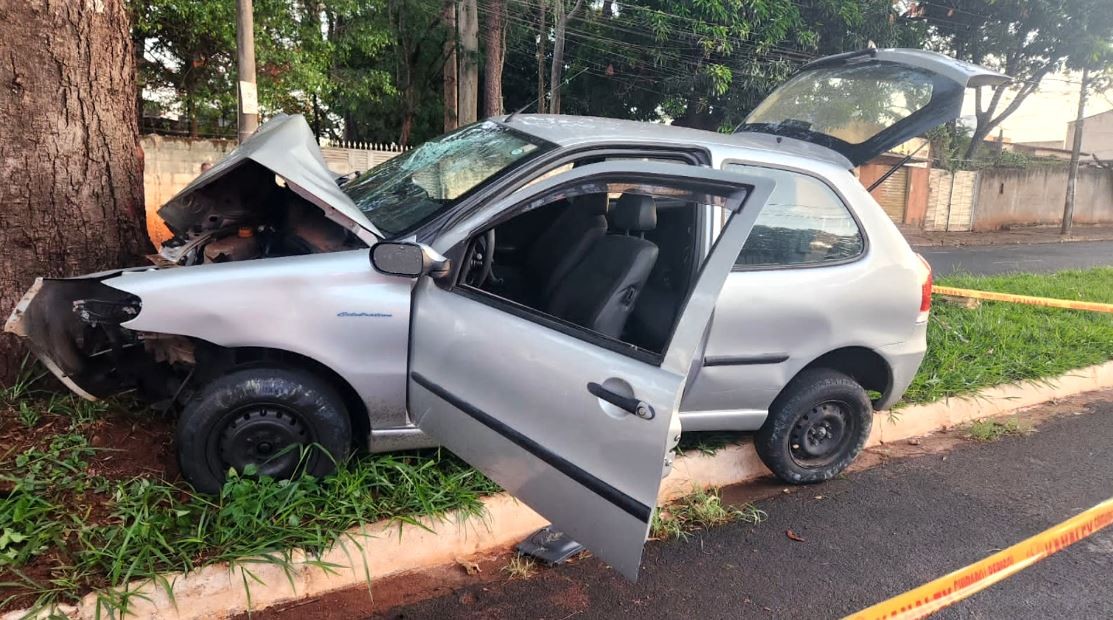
[[451, 93], [469, 62], [495, 42], [72, 197], [542, 37], [561, 19]]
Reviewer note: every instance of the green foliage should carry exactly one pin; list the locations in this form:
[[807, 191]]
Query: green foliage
[[704, 64], [309, 55], [370, 70]]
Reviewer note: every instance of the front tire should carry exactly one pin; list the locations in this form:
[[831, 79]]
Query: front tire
[[279, 422], [815, 428]]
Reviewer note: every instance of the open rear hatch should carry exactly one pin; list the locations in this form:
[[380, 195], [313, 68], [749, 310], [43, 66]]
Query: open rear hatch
[[862, 104]]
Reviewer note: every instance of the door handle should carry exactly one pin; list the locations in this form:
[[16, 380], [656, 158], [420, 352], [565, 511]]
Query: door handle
[[637, 407]]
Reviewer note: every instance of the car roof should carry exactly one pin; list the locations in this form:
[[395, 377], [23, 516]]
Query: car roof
[[566, 130]]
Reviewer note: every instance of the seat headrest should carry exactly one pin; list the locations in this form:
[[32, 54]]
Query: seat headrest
[[591, 204], [634, 212]]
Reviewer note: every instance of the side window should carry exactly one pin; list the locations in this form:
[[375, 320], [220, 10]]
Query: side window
[[804, 223]]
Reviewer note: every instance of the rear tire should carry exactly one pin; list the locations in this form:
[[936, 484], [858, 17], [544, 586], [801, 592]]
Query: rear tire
[[815, 428], [280, 421]]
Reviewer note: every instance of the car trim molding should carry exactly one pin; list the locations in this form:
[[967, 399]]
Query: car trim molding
[[745, 360], [628, 504]]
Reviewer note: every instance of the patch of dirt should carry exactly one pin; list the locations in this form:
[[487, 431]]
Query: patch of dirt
[[394, 591], [126, 444]]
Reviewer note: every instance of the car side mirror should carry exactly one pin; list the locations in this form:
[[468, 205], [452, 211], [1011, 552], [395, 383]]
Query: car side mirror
[[408, 259]]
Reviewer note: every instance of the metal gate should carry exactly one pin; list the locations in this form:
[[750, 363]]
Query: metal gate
[[892, 195]]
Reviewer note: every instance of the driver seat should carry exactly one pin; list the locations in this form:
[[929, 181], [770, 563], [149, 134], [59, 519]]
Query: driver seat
[[601, 289]]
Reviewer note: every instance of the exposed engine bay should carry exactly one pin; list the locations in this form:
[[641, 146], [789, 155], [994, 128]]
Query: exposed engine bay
[[272, 197], [246, 214]]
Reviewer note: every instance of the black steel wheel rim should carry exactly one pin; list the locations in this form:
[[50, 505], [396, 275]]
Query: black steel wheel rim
[[269, 437], [821, 435]]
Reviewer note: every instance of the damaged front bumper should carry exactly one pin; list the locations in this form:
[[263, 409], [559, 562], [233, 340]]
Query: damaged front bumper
[[73, 326]]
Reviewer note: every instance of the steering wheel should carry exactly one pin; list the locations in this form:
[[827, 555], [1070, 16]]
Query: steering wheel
[[481, 256]]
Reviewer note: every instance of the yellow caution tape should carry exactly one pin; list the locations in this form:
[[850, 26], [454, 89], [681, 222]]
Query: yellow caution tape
[[1024, 299], [933, 596]]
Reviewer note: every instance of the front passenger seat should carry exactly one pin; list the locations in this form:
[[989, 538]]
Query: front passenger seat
[[601, 290]]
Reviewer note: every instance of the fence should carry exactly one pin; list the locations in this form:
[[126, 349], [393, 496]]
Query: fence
[[170, 163], [999, 198], [1034, 196]]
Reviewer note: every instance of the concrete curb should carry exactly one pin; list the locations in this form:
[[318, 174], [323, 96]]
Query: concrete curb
[[383, 549]]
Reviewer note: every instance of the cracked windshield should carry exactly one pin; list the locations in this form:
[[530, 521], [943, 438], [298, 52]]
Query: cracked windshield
[[404, 192]]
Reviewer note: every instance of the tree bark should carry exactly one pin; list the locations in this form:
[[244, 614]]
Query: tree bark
[[1076, 151], [561, 19], [494, 39], [451, 92], [72, 197], [469, 62]]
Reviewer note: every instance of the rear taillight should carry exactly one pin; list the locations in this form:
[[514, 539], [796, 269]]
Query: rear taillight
[[925, 288]]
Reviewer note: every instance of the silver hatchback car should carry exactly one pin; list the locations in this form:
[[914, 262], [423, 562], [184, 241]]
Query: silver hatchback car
[[552, 298]]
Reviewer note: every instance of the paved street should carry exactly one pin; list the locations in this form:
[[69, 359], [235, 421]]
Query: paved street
[[867, 536], [1037, 258]]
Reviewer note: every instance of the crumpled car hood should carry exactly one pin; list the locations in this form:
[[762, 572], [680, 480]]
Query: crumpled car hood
[[286, 146]]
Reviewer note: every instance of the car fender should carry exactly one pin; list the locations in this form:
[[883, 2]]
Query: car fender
[[332, 308]]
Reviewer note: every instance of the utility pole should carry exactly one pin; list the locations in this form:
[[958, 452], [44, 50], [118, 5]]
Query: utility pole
[[1076, 152], [248, 117], [468, 85]]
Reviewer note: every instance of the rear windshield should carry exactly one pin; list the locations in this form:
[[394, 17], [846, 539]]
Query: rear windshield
[[852, 103]]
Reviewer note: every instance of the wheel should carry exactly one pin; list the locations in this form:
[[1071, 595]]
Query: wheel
[[815, 428], [279, 420]]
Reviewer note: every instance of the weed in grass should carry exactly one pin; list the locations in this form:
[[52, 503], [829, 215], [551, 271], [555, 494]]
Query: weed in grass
[[992, 430], [30, 371], [520, 567], [29, 416], [81, 412], [28, 526], [700, 510]]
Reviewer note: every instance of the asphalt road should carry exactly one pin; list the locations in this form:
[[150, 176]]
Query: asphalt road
[[1037, 258], [868, 536]]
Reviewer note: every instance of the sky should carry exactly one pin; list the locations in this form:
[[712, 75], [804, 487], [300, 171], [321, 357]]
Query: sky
[[1045, 113]]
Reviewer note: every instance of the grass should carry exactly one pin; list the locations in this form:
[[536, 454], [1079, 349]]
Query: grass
[[519, 567], [991, 430], [998, 342], [94, 532], [698, 511]]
